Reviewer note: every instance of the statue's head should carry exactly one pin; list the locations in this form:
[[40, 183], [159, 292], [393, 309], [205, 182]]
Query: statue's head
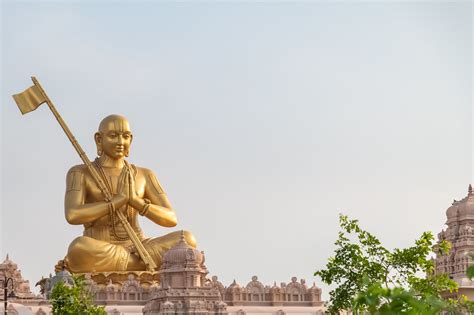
[[114, 137]]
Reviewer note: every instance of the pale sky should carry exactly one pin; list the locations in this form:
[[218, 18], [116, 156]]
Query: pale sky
[[263, 121]]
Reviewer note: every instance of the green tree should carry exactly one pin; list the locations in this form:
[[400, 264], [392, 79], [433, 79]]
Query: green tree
[[73, 300], [371, 278]]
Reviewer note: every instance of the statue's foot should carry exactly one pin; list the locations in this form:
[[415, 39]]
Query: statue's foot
[[61, 265]]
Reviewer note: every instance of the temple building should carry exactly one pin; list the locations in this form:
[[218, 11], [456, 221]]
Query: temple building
[[460, 233], [184, 289], [19, 294], [21, 287], [180, 287]]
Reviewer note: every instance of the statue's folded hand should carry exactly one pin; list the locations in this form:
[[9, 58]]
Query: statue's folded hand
[[134, 200], [132, 188], [119, 200], [123, 194]]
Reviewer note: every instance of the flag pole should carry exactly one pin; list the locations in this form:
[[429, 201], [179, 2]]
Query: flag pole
[[144, 255]]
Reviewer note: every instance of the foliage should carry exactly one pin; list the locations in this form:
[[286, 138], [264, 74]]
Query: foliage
[[73, 300], [371, 278], [470, 270]]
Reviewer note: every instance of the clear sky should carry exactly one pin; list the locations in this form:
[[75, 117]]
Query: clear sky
[[263, 121]]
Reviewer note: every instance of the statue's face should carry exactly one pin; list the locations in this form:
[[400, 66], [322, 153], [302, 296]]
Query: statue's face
[[115, 137]]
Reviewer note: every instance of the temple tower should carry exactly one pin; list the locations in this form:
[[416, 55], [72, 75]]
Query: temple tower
[[21, 287], [184, 288], [460, 233]]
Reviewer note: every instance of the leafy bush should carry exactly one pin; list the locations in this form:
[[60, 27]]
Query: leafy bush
[[370, 278], [73, 300]]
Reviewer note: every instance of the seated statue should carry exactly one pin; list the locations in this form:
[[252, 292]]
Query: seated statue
[[105, 244]]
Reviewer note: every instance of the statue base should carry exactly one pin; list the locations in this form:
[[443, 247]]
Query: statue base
[[126, 286], [112, 286], [116, 277], [145, 278]]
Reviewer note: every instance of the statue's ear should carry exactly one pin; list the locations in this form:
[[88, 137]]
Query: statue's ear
[[98, 143], [98, 138]]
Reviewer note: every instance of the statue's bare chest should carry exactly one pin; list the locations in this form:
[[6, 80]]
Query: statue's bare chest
[[115, 182]]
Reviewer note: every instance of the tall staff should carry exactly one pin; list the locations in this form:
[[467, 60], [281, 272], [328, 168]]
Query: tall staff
[[31, 99]]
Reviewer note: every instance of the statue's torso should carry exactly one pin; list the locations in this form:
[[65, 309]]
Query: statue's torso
[[103, 227]]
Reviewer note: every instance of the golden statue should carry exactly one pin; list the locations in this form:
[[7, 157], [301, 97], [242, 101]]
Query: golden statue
[[106, 196], [105, 245]]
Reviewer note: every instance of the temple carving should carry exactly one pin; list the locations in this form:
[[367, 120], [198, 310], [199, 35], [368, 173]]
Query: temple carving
[[255, 293]]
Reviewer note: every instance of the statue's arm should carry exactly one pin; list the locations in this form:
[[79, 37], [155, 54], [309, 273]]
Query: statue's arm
[[76, 210], [159, 210]]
